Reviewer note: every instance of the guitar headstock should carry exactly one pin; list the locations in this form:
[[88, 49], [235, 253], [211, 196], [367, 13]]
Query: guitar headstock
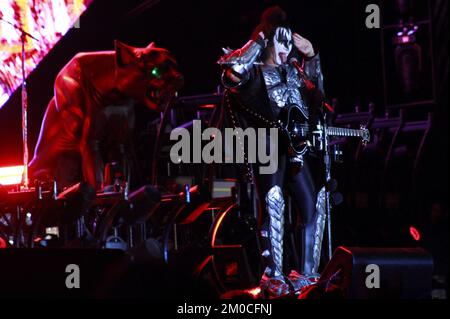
[[365, 136]]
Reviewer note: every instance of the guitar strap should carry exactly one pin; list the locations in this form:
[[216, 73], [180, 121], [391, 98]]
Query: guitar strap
[[235, 122], [260, 117]]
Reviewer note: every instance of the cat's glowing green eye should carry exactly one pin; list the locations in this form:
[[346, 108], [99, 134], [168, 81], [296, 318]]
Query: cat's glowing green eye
[[155, 72]]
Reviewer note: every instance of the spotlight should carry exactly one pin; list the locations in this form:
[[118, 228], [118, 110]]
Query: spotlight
[[408, 58], [414, 233], [11, 175]]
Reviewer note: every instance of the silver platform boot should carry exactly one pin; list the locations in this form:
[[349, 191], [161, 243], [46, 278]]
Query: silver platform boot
[[273, 283], [311, 236]]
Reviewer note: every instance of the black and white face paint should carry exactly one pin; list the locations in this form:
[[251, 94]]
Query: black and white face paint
[[282, 43]]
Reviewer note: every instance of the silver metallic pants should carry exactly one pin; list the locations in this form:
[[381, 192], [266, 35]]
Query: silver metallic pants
[[308, 200]]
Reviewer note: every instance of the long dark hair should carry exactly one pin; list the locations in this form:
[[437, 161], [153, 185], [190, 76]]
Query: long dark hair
[[271, 19]]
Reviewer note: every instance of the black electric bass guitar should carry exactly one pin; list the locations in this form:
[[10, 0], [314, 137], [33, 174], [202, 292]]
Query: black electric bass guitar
[[301, 136]]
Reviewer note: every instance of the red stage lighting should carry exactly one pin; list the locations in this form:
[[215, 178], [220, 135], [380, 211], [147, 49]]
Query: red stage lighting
[[11, 175], [46, 20], [414, 233], [3, 244]]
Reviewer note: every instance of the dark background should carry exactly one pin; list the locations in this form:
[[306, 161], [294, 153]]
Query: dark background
[[195, 31]]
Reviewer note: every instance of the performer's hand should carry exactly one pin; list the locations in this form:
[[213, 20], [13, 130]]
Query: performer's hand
[[261, 39], [261, 35], [229, 74], [303, 45]]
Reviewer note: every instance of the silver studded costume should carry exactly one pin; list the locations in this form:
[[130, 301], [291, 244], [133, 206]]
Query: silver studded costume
[[266, 90], [311, 235], [275, 207], [284, 91]]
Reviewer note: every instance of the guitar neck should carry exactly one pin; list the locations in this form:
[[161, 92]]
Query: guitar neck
[[344, 132]]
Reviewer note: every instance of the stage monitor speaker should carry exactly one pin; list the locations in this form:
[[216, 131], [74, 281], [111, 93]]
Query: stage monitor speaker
[[55, 273], [380, 273]]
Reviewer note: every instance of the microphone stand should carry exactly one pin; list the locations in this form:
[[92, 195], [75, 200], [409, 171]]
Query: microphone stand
[[23, 36], [327, 162]]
